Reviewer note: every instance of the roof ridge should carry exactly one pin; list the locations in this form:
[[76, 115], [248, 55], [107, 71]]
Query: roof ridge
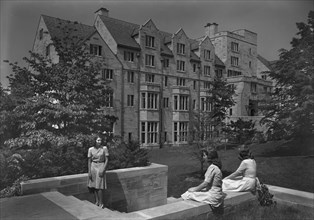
[[119, 20], [67, 20]]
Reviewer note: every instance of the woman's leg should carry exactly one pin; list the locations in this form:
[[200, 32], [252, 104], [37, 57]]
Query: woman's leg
[[96, 197], [100, 196]]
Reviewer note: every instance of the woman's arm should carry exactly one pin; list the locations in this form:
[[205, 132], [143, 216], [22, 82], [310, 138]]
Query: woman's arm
[[89, 170], [199, 187], [238, 172]]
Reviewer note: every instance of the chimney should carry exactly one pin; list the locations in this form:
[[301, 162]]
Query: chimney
[[211, 29], [102, 11]]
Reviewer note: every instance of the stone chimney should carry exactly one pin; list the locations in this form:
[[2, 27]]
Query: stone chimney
[[102, 11], [211, 29]]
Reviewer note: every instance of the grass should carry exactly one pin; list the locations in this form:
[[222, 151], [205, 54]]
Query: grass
[[253, 211], [282, 163]]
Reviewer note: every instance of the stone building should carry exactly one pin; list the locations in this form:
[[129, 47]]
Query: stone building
[[160, 78]]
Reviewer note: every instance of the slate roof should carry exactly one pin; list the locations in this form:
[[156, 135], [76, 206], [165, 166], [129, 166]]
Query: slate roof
[[122, 31], [265, 62], [57, 27], [218, 61]]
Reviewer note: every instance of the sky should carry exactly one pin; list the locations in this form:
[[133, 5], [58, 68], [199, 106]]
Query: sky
[[274, 21]]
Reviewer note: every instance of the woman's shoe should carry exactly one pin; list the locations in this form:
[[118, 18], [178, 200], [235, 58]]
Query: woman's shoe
[[101, 206]]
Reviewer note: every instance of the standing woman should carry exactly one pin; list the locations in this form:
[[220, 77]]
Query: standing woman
[[97, 165], [209, 191], [244, 178]]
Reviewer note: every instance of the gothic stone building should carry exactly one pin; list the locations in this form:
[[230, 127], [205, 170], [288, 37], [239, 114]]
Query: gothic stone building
[[159, 78]]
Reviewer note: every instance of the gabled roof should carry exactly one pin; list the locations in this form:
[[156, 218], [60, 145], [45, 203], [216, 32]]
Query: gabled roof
[[265, 62], [122, 31], [194, 57], [218, 61], [59, 28]]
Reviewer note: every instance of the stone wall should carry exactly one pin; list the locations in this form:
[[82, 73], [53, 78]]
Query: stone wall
[[129, 189]]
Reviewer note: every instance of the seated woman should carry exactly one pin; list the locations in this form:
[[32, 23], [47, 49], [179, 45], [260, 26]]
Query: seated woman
[[212, 183], [244, 178]]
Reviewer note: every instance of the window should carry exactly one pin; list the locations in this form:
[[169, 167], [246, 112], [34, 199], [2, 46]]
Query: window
[[264, 77], [166, 63], [234, 61], [205, 105], [234, 73], [149, 100], [206, 85], [230, 111], [48, 50], [130, 76], [149, 78], [149, 60], [253, 87], [150, 41], [194, 104], [180, 131], [265, 89], [130, 136], [194, 67], [143, 100], [166, 102], [180, 48], [107, 74], [232, 87], [250, 51], [180, 65], [129, 56], [207, 70], [109, 99], [130, 100], [95, 49], [166, 81], [181, 102], [250, 64], [194, 85], [234, 47], [207, 54], [180, 82], [218, 73], [149, 132], [41, 34]]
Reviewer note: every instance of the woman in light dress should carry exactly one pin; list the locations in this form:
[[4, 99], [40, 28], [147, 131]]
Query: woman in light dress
[[209, 191], [97, 165], [244, 178]]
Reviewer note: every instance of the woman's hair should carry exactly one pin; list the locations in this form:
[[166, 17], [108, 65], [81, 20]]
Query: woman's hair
[[245, 153], [212, 157]]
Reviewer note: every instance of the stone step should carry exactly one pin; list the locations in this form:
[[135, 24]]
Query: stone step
[[172, 200], [74, 206]]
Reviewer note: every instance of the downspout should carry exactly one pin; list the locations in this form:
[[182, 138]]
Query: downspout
[[161, 130], [139, 96]]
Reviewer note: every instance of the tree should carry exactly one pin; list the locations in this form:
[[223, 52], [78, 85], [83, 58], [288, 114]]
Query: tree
[[58, 108], [208, 122], [290, 113], [240, 131]]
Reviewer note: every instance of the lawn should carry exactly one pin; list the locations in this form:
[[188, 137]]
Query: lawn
[[283, 163]]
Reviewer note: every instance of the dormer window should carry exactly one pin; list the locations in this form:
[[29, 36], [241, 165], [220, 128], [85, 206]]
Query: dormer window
[[180, 48], [150, 41], [107, 74], [207, 54], [95, 49], [206, 70]]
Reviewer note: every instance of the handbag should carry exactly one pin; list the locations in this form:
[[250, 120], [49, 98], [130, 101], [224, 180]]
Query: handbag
[[264, 197]]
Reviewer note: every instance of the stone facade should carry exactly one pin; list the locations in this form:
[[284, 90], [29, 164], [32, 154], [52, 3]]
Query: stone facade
[[160, 79]]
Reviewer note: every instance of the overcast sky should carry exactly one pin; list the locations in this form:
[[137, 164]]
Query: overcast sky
[[273, 20]]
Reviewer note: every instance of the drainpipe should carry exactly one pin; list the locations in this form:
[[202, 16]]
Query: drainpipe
[[161, 126], [138, 95]]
